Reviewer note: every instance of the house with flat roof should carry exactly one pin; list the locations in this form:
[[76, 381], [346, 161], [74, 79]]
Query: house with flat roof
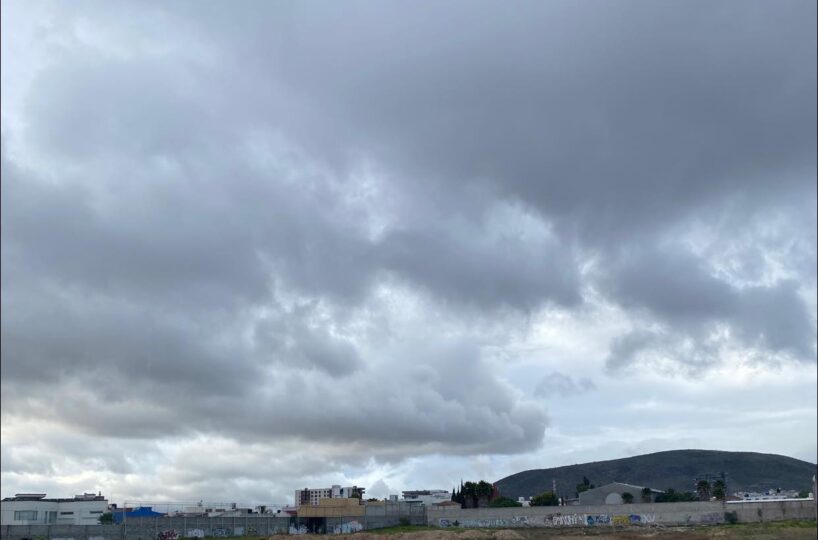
[[36, 509]]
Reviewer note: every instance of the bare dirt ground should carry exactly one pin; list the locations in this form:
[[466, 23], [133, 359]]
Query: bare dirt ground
[[749, 531]]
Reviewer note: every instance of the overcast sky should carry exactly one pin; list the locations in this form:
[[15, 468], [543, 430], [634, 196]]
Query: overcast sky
[[249, 247]]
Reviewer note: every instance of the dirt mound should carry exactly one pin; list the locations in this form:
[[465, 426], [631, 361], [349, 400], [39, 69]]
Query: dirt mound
[[474, 534], [507, 534]]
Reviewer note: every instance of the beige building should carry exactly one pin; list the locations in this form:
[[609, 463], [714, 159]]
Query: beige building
[[334, 508]]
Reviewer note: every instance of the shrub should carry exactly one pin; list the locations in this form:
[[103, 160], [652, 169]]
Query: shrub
[[504, 502], [545, 499], [731, 518]]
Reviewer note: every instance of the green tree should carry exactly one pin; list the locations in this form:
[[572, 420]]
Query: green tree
[[585, 485], [546, 498], [671, 495], [719, 490], [647, 495], [627, 498], [106, 519], [483, 489], [504, 502], [803, 494], [476, 494], [703, 490]]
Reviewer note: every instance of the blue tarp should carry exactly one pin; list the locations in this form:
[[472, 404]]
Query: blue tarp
[[142, 511]]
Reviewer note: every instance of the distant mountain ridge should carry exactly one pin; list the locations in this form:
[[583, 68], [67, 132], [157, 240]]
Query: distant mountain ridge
[[677, 469]]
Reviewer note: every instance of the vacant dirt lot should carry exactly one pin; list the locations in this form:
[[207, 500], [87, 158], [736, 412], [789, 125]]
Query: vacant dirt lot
[[755, 531]]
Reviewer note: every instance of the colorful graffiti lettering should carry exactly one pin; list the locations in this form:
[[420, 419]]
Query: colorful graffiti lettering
[[195, 533], [251, 531], [621, 520], [599, 519], [221, 532]]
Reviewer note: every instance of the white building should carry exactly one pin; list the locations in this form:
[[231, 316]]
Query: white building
[[769, 495], [427, 497], [35, 509], [310, 497]]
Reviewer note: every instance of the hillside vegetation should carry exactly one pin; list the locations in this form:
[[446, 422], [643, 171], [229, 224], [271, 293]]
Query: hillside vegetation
[[677, 469]]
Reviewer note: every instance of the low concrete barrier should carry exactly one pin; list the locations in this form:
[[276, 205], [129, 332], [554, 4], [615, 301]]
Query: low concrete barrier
[[690, 513]]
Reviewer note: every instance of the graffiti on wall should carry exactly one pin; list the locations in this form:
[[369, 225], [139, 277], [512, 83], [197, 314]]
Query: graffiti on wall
[[487, 523], [634, 519], [568, 520], [597, 519], [556, 520], [301, 529], [194, 533], [221, 532], [711, 518], [169, 534], [477, 523], [347, 527]]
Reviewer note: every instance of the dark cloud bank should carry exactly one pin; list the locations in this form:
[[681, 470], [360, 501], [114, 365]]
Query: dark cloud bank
[[296, 221]]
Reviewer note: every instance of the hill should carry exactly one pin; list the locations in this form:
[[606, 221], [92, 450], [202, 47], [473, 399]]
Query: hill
[[677, 469]]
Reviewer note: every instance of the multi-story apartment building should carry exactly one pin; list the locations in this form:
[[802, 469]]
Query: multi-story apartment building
[[310, 497], [427, 497], [35, 509]]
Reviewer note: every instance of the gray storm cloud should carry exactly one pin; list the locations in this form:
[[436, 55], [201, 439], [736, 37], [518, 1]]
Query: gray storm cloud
[[293, 222]]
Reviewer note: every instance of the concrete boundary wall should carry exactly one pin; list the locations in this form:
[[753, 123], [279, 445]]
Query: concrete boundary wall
[[177, 528], [690, 513]]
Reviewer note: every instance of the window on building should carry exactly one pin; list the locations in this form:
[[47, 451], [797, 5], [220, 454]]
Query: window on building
[[51, 517], [25, 515], [66, 513], [95, 512]]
